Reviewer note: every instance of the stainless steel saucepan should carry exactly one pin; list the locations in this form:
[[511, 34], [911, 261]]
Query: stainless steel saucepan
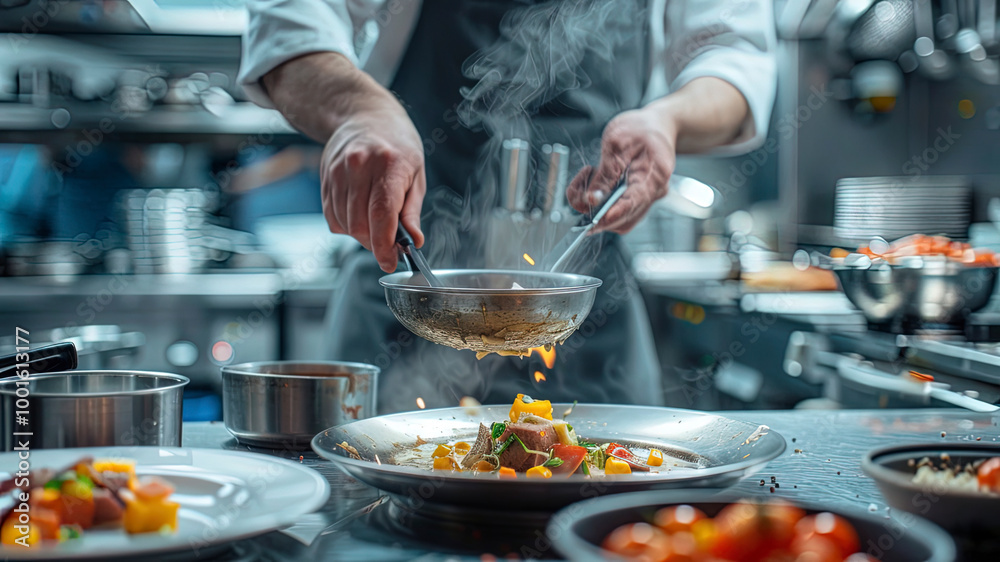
[[284, 404], [91, 409], [494, 311]]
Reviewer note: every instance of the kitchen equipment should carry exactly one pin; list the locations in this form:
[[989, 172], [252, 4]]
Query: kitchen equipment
[[893, 207], [714, 451], [284, 404], [414, 258], [492, 310], [50, 358], [922, 291], [578, 531], [558, 258], [224, 495], [882, 32], [932, 62], [961, 512], [98, 346], [92, 408]]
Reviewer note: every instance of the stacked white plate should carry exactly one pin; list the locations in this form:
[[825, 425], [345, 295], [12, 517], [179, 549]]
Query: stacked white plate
[[893, 207]]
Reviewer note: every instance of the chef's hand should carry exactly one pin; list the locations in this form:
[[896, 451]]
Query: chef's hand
[[372, 175], [372, 171], [704, 113], [642, 144]]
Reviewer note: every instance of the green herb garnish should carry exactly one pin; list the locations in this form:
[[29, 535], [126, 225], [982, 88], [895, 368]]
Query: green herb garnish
[[53, 485], [553, 462]]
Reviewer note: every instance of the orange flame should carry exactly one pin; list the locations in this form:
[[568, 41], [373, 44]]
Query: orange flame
[[549, 357], [420, 403], [539, 376], [528, 259]]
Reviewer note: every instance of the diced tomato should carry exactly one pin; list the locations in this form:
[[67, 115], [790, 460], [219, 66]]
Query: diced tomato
[[638, 541], [679, 518], [572, 457], [746, 531], [989, 474], [833, 527], [816, 548], [627, 456]]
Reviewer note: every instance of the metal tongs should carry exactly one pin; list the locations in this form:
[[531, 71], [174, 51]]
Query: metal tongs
[[414, 258], [559, 255]]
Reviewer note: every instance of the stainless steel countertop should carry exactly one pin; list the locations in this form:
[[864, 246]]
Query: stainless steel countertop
[[355, 521]]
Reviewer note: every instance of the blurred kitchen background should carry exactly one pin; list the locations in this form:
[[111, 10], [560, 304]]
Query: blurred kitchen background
[[156, 218]]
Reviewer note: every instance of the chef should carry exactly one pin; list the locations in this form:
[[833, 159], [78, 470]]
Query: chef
[[410, 99]]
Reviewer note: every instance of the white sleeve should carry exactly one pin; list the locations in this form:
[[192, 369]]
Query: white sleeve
[[280, 30], [731, 40]]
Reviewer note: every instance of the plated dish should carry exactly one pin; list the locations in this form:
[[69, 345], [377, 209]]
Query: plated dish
[[939, 488], [531, 444], [60, 504], [396, 453], [708, 525], [221, 496]]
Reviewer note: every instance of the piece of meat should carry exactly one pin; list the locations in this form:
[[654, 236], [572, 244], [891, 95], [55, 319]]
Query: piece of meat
[[482, 446], [107, 506], [535, 436]]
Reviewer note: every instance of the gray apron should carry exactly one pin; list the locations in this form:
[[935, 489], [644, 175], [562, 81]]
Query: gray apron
[[612, 358]]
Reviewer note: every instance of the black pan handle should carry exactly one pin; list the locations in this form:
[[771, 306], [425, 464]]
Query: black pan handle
[[47, 359], [405, 242]]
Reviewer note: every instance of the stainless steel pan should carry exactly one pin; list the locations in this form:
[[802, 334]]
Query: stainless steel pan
[[481, 309]]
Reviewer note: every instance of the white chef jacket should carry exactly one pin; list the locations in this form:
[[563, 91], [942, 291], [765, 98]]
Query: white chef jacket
[[733, 40]]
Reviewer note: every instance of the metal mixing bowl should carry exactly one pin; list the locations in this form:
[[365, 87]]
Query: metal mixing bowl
[[479, 309], [919, 291], [92, 409], [284, 404]]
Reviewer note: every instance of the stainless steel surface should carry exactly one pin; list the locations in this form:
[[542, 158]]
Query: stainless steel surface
[[284, 404], [93, 409], [557, 177], [482, 311], [558, 257], [514, 162], [724, 450], [932, 292], [360, 523], [883, 32]]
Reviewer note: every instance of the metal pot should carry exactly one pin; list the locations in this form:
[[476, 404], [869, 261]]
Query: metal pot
[[92, 409], [284, 404]]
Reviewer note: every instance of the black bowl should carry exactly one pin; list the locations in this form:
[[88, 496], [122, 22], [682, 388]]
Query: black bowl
[[578, 530], [958, 511]]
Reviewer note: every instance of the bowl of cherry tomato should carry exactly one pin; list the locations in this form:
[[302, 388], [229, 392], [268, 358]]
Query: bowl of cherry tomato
[[956, 486], [709, 526]]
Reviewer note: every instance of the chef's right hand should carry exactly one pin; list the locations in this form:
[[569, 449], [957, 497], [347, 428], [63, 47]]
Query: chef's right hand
[[372, 176]]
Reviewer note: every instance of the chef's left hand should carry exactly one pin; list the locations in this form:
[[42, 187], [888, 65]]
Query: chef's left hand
[[641, 142]]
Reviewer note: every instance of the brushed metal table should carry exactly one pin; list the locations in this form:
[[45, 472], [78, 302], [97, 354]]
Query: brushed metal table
[[821, 465]]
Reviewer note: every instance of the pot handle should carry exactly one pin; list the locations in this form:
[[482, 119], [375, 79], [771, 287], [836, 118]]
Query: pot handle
[[47, 359]]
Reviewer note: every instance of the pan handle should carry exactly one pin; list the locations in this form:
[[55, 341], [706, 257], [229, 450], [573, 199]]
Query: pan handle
[[413, 257], [47, 359]]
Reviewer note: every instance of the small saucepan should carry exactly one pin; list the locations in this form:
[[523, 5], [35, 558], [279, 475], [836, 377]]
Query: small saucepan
[[85, 408], [284, 404]]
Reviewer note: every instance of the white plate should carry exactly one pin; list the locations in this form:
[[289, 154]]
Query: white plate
[[224, 496]]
